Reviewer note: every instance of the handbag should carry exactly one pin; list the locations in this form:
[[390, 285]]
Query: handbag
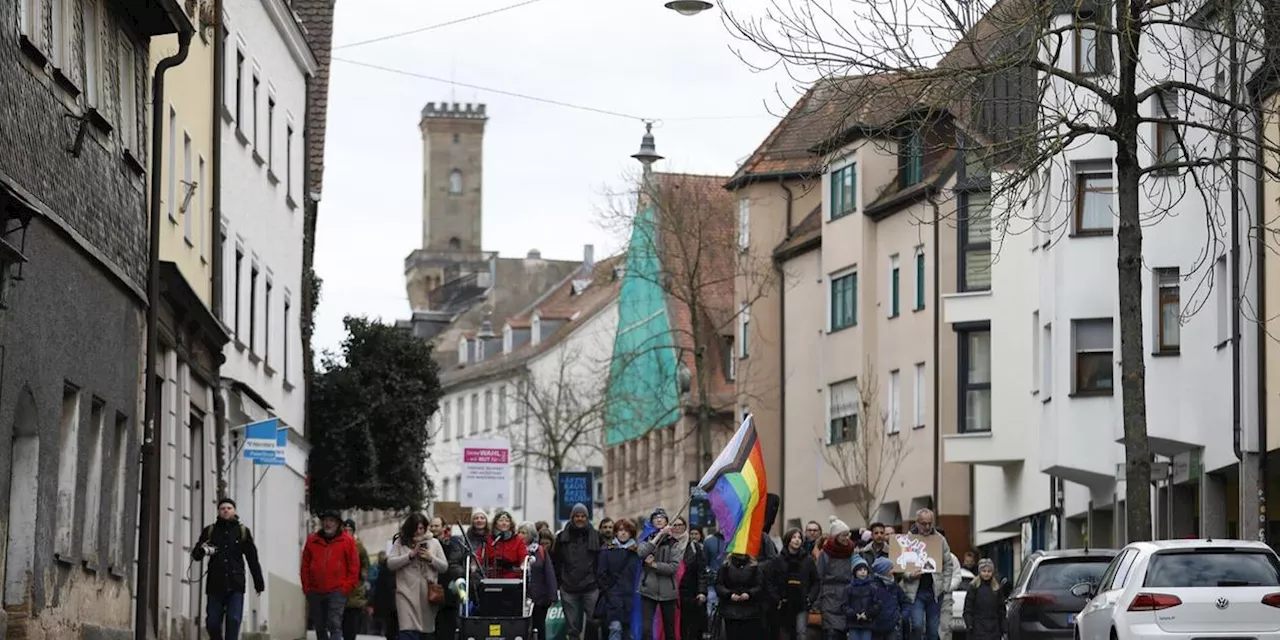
[[815, 618], [435, 593]]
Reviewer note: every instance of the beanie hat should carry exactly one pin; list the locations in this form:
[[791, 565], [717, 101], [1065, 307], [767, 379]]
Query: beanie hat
[[866, 535], [882, 566], [658, 512], [350, 524], [859, 561], [579, 508], [986, 563], [836, 526]]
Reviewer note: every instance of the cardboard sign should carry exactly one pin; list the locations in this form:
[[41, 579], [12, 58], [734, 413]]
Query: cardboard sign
[[452, 513], [910, 553]]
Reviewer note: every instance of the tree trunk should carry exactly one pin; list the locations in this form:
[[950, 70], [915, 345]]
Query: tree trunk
[[1137, 448]]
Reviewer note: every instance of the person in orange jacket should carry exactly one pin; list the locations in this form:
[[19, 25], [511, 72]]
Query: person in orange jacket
[[330, 572]]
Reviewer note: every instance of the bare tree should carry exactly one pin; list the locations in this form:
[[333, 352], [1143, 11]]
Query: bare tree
[[1025, 82], [858, 446], [682, 231]]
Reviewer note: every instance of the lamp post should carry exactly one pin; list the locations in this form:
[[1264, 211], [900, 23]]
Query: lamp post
[[689, 7]]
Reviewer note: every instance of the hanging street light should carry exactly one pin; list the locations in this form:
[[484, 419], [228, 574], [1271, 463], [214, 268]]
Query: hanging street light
[[648, 153], [689, 7]]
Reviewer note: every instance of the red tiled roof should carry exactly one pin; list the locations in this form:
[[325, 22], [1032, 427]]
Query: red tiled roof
[[807, 231], [317, 21]]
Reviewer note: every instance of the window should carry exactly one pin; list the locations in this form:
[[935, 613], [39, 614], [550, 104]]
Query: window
[[288, 160], [457, 138], [59, 15], [744, 325], [455, 182], [975, 241], [459, 409], [920, 278], [128, 94], [200, 221], [444, 489], [172, 178], [1094, 366], [266, 323], [445, 415], [271, 133], [68, 445], [844, 404], [475, 414], [895, 279], [488, 411], [502, 406], [843, 194], [517, 477], [1212, 568], [284, 338], [920, 402], [253, 306], [93, 484], [1035, 352], [119, 473], [1094, 189], [729, 363], [1169, 302], [1166, 108], [910, 159], [239, 87], [1046, 362], [895, 401], [1223, 294], [975, 380], [239, 270], [844, 301], [28, 17], [187, 185], [744, 223], [1086, 37], [253, 104], [92, 54]]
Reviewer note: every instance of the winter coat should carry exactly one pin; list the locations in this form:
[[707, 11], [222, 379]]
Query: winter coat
[[330, 565], [456, 553], [543, 589], [740, 575], [870, 553], [233, 547], [478, 541], [413, 611], [835, 570], [862, 602], [506, 556], [894, 606], [713, 546], [575, 555], [384, 598], [694, 580], [616, 572], [941, 579], [659, 579], [772, 575], [984, 612], [800, 574], [359, 597]]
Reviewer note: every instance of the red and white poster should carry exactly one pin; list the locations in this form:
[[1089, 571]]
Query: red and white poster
[[486, 473]]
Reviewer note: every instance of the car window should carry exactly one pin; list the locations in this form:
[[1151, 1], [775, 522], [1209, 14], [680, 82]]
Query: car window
[[1110, 573], [1213, 568], [1025, 573], [1126, 565], [1060, 574]]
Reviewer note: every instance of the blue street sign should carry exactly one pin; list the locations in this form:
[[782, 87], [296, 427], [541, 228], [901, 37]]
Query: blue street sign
[[265, 442]]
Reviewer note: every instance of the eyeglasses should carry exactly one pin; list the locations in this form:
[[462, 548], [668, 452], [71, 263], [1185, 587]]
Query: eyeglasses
[[678, 525]]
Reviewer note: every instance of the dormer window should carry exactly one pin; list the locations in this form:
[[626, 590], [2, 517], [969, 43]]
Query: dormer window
[[455, 182], [536, 325], [507, 340], [910, 159], [843, 184], [464, 351]]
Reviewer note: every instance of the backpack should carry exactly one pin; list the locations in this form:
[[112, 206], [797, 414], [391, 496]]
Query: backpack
[[864, 606], [244, 534]]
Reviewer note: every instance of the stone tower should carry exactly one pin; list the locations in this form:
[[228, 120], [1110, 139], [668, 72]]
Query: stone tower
[[452, 175], [452, 211]]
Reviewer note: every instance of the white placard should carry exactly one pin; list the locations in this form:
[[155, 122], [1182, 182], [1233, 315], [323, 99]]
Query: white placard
[[486, 473]]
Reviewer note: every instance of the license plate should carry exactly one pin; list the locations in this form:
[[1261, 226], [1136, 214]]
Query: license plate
[[1071, 618]]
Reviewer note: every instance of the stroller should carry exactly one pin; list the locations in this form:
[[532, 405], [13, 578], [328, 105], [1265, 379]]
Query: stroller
[[496, 608]]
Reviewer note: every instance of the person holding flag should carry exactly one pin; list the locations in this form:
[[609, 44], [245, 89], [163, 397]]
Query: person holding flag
[[658, 593]]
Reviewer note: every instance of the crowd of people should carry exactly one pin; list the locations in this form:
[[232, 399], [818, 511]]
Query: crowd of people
[[831, 582]]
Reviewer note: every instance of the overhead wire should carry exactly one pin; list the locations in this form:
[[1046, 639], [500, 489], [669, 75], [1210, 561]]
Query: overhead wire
[[450, 23]]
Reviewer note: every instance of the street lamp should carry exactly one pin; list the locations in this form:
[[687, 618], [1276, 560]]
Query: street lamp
[[648, 153], [689, 7]]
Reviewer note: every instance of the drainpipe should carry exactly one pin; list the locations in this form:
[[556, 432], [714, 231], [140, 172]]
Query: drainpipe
[[149, 492], [782, 360], [1260, 253], [219, 98], [1236, 428], [937, 376]]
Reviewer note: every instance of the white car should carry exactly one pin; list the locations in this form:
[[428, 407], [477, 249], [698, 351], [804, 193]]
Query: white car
[[1184, 590]]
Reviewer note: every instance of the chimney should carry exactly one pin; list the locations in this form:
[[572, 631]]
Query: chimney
[[486, 327], [534, 254], [588, 259]]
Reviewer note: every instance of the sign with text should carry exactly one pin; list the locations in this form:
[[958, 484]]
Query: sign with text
[[486, 473], [911, 553], [573, 487], [265, 442]]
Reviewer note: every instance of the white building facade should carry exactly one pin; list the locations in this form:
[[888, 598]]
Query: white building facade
[[267, 66], [1048, 470]]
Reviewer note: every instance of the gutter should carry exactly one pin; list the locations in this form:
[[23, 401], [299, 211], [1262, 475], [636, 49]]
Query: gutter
[[782, 361], [219, 400], [149, 493]]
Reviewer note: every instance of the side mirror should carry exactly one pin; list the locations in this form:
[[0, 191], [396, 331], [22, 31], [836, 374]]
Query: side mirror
[[1082, 590]]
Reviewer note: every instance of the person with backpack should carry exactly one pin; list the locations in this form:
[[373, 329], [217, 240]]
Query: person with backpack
[[895, 606], [229, 546], [862, 601]]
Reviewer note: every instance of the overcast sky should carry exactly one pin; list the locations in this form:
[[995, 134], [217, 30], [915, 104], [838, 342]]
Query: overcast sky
[[547, 167]]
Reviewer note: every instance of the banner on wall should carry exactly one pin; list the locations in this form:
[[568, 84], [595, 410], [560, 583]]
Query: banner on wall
[[486, 473], [265, 442]]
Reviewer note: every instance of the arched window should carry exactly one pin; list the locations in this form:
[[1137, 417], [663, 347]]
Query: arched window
[[455, 182], [455, 244]]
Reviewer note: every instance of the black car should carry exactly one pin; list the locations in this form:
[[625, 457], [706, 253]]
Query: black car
[[1041, 605]]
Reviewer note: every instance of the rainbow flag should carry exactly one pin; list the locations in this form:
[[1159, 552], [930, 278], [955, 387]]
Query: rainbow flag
[[735, 486]]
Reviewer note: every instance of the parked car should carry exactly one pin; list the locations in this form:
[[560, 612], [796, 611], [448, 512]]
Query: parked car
[[959, 587], [1041, 605], [1184, 589]]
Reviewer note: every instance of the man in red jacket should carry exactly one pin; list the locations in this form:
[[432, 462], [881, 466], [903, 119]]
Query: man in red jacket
[[330, 572]]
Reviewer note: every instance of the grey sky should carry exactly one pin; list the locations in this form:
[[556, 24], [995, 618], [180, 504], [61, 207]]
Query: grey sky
[[546, 167]]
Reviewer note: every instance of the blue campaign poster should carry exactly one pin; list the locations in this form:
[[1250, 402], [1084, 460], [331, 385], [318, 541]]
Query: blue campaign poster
[[265, 442], [574, 487]]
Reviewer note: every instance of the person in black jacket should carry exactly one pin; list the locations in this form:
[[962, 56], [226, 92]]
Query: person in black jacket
[[384, 598], [984, 612], [800, 574], [456, 554], [693, 583], [741, 593], [228, 545], [772, 577], [574, 557]]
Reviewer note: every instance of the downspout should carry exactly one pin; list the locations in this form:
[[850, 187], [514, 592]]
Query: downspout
[[782, 359], [1260, 251], [219, 98], [1236, 428], [937, 376], [149, 492]]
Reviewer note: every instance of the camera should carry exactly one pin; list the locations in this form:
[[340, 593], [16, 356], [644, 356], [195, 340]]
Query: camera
[[209, 549]]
